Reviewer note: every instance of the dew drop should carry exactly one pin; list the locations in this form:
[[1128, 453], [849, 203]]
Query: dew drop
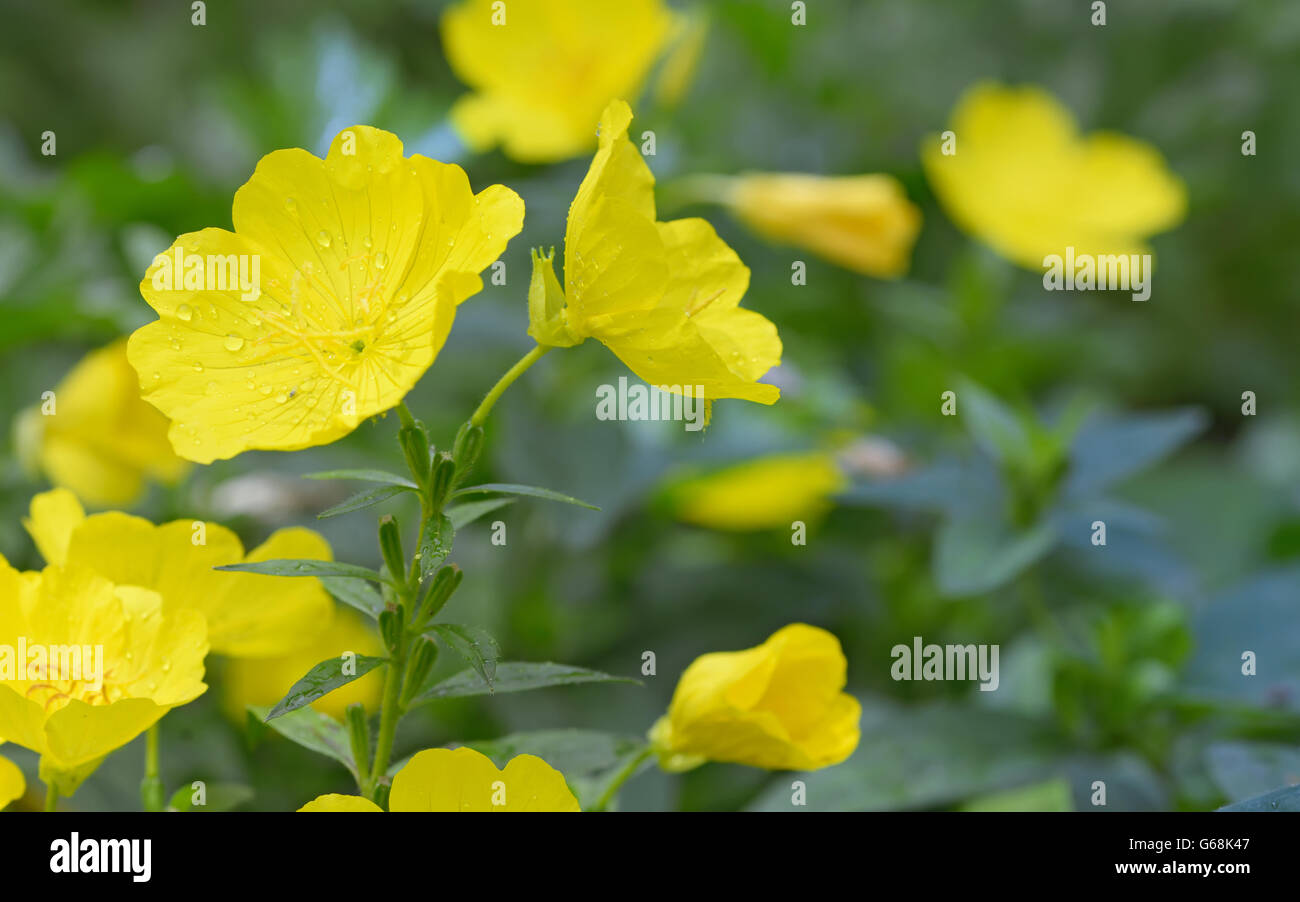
[[198, 367], [234, 342], [323, 238], [381, 260], [185, 313]]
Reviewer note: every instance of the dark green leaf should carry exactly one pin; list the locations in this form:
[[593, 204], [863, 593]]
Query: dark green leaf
[[364, 476], [1108, 450], [217, 797], [305, 567], [505, 488], [354, 593], [472, 643], [461, 515], [312, 730], [368, 498], [323, 679], [518, 676], [1285, 799], [435, 545]]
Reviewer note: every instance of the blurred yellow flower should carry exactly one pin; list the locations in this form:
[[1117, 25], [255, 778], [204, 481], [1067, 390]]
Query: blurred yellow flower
[[12, 782], [326, 304], [862, 222], [248, 614], [663, 296], [542, 70], [60, 705], [96, 436], [765, 493], [264, 681], [779, 706], [1023, 179], [465, 780]]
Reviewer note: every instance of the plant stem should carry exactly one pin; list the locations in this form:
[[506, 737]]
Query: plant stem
[[505, 382], [151, 790], [389, 713], [51, 797], [620, 778]]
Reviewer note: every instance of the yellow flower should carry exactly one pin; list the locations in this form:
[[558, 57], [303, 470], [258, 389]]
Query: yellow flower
[[778, 706], [96, 436], [326, 304], [60, 705], [663, 296], [248, 615], [1026, 182], [465, 780], [764, 493], [862, 222], [264, 681], [12, 782], [542, 71]]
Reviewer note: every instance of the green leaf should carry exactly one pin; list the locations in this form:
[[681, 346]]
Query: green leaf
[[435, 545], [973, 555], [312, 730], [354, 593], [1109, 450], [505, 488], [1052, 795], [587, 758], [462, 515], [517, 676], [323, 679], [364, 476], [995, 427], [217, 797], [472, 643], [368, 498], [305, 567], [1246, 769], [1285, 799]]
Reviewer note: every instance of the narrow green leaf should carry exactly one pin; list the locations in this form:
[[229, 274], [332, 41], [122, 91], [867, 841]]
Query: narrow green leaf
[[305, 567], [517, 676], [216, 797], [312, 730], [505, 488], [472, 643], [361, 500], [323, 679], [354, 593], [435, 545], [364, 476], [462, 515]]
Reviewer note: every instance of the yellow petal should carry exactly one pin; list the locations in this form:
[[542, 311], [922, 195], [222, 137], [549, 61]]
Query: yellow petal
[[335, 802], [54, 516], [12, 782], [542, 72], [361, 259], [765, 493], [465, 780], [1025, 182]]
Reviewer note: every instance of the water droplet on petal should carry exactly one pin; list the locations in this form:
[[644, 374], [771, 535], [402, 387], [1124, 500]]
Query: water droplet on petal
[[234, 342], [381, 260], [323, 238], [185, 313]]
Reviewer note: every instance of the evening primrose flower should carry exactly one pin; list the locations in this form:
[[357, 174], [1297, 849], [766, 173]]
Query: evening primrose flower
[[542, 71], [1023, 179], [96, 436], [264, 681], [325, 305], [75, 714], [764, 493], [778, 706], [12, 782], [663, 296], [862, 222], [465, 780], [248, 614]]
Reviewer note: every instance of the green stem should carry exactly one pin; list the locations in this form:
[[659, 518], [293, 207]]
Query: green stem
[[505, 382], [51, 797], [151, 790], [389, 713], [620, 778]]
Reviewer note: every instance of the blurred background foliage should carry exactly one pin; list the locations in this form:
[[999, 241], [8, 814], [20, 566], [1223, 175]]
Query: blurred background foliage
[[1119, 663]]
